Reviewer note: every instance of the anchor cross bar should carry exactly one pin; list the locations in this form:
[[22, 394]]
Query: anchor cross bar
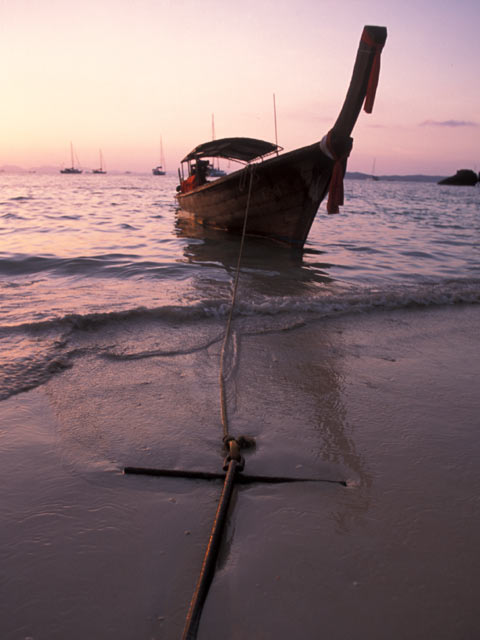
[[240, 478]]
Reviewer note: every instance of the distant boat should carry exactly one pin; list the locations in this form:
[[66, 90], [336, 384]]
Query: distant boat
[[282, 193], [215, 172], [159, 169], [101, 169], [373, 176], [73, 168]]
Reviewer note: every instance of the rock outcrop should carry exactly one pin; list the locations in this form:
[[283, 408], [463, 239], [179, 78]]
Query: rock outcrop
[[463, 178]]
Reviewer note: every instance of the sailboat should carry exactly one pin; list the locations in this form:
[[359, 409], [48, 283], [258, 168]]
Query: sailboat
[[73, 168], [373, 176], [101, 169], [159, 169], [212, 170]]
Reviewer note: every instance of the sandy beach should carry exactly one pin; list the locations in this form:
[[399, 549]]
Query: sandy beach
[[387, 402]]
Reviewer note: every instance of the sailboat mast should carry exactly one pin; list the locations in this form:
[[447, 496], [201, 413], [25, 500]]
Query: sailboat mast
[[213, 138], [162, 158], [275, 121], [71, 154]]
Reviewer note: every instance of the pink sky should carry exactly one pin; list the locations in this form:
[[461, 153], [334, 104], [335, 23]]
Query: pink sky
[[119, 75]]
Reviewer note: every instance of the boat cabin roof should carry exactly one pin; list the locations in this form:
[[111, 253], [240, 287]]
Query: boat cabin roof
[[242, 149]]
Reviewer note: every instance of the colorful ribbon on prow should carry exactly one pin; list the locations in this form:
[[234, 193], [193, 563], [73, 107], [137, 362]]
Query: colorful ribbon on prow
[[335, 191], [374, 72]]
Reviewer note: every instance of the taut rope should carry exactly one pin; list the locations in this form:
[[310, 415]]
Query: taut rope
[[233, 463], [223, 398]]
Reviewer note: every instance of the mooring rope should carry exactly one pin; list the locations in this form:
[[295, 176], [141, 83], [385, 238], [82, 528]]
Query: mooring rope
[[233, 462], [223, 397], [209, 560]]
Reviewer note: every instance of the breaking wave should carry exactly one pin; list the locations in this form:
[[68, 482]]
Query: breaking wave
[[329, 302], [33, 352]]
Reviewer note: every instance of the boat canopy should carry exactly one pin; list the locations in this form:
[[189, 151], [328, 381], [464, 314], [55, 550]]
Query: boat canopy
[[242, 149]]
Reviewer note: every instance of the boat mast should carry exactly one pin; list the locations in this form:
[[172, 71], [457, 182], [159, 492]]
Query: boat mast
[[71, 154], [275, 121], [213, 138]]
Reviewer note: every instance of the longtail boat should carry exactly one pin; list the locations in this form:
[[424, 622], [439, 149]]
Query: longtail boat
[[281, 192]]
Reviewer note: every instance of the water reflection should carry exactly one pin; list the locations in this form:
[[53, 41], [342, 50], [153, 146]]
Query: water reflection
[[324, 381], [291, 385], [270, 268], [288, 380]]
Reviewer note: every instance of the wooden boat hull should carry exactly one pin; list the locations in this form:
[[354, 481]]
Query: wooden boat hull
[[286, 193]]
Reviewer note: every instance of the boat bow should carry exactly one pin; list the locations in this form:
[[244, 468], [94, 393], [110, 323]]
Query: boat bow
[[337, 144]]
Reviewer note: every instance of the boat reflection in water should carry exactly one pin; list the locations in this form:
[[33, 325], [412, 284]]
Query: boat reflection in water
[[287, 389], [281, 264]]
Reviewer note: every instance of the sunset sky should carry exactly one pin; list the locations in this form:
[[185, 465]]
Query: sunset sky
[[121, 74]]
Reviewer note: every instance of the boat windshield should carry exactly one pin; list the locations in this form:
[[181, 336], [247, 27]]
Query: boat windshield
[[240, 149]]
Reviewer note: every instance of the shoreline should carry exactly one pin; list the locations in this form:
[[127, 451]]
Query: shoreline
[[387, 401]]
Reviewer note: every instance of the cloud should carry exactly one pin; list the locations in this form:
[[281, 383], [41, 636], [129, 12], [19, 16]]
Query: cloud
[[449, 123]]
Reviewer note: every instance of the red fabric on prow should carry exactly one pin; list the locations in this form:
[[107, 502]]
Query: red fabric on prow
[[335, 191], [374, 72]]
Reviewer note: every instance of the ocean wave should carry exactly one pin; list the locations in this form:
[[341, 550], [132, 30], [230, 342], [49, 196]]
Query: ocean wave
[[331, 301], [11, 216], [160, 353], [91, 321], [33, 352], [24, 377], [113, 265], [27, 362]]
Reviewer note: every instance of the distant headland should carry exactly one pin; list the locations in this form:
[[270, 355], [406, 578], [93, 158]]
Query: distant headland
[[416, 177], [462, 177]]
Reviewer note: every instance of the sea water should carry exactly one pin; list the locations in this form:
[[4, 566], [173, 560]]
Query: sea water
[[101, 264]]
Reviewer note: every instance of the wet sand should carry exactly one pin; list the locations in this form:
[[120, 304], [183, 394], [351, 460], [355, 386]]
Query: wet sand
[[387, 402]]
